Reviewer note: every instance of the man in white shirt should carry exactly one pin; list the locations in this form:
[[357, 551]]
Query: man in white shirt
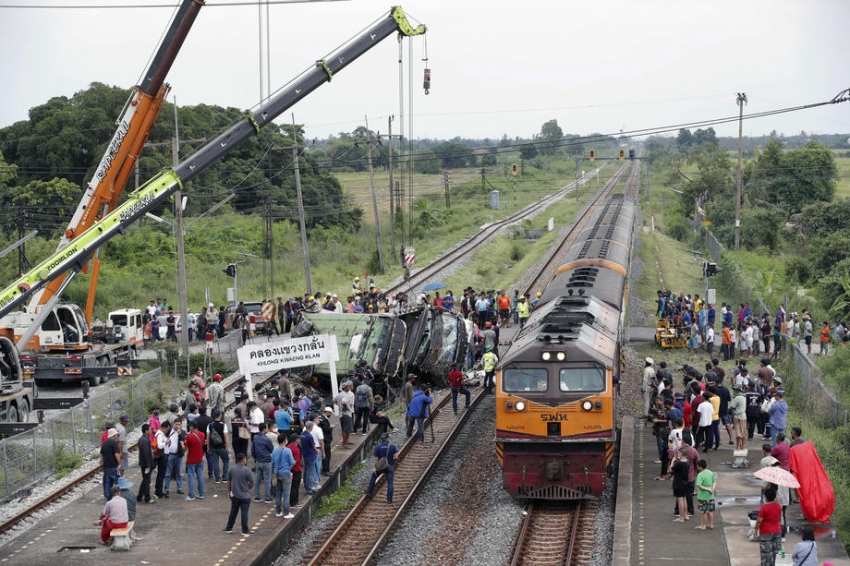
[[255, 417], [345, 401], [319, 438], [706, 415], [648, 384]]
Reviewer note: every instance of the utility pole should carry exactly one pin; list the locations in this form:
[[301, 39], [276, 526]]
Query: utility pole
[[369, 144], [578, 162], [301, 222], [446, 183], [392, 200], [741, 100]]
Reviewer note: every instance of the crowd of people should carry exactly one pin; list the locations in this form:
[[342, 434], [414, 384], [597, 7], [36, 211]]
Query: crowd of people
[[692, 417], [285, 433], [743, 333]]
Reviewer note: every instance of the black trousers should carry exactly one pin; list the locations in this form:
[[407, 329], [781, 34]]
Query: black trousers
[[326, 461], [293, 493], [145, 486], [161, 465]]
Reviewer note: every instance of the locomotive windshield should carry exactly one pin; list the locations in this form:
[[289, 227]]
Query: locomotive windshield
[[582, 379], [525, 379]]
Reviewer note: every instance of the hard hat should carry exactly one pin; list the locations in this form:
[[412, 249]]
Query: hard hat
[[539, 294], [488, 324], [650, 361], [217, 377], [357, 279]]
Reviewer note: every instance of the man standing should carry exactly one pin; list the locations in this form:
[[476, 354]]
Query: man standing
[[282, 464], [739, 417], [388, 450], [456, 383], [489, 361], [174, 450], [215, 395], [161, 460], [407, 394], [263, 449], [364, 401], [171, 327], [240, 480], [328, 433], [419, 412], [309, 453], [195, 460], [778, 413], [706, 485], [255, 418], [345, 402], [121, 427], [110, 461], [523, 312], [146, 463], [807, 332], [114, 514], [217, 446], [648, 384]]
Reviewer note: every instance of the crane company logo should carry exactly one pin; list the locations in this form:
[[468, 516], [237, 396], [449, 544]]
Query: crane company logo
[[112, 150], [65, 255], [553, 417], [143, 202]]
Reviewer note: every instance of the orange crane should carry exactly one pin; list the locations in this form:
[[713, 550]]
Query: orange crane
[[134, 125]]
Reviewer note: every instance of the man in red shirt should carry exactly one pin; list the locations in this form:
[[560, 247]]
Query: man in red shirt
[[456, 383], [195, 460], [782, 452], [295, 447]]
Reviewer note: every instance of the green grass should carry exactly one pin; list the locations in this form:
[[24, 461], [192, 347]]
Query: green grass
[[343, 498]]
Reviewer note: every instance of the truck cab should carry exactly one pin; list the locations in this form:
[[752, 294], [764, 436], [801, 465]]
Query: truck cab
[[125, 325]]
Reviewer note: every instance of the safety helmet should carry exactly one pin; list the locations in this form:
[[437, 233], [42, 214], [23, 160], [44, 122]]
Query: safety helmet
[[539, 294], [488, 324], [357, 279], [217, 377]]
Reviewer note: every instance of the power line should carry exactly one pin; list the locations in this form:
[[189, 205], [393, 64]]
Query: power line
[[145, 6]]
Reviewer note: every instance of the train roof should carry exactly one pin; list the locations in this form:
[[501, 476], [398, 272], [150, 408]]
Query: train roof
[[585, 327]]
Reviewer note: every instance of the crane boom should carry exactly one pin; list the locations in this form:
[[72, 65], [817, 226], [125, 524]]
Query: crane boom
[[133, 127], [153, 193]]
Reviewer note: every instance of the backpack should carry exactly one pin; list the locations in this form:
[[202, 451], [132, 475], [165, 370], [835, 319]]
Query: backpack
[[155, 447], [215, 436], [362, 398]]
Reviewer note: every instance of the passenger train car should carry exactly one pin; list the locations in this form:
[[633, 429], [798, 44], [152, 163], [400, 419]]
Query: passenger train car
[[556, 387]]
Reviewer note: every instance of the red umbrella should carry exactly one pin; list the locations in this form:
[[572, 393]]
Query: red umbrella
[[775, 474]]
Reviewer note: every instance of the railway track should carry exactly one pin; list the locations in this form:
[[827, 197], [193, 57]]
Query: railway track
[[427, 273], [364, 531], [556, 533], [547, 271], [91, 474]]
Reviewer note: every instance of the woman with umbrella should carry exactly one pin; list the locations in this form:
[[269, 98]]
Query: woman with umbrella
[[778, 481]]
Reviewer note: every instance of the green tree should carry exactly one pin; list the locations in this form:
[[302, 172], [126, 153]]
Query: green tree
[[792, 179], [426, 162], [684, 140], [528, 151], [821, 219], [707, 135], [454, 155], [714, 175], [549, 141], [51, 203]]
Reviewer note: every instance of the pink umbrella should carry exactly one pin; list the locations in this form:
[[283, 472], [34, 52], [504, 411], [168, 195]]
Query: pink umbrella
[[775, 474]]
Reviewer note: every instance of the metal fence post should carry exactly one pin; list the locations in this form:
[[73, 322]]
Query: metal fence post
[[53, 434], [111, 416], [90, 422], [6, 469], [74, 431], [34, 455]]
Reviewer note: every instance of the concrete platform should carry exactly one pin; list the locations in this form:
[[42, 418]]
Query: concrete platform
[[172, 530], [645, 533]]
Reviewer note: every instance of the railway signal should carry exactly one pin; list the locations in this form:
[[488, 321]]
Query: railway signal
[[622, 155], [230, 270], [710, 268], [631, 154], [593, 155]]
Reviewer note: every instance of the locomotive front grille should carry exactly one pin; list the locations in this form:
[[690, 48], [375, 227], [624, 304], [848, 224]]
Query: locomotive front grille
[[553, 429]]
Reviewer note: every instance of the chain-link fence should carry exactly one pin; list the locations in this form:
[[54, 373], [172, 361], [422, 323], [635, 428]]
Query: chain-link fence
[[817, 400], [58, 445]]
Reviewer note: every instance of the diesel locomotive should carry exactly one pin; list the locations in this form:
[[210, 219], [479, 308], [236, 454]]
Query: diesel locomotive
[[556, 387]]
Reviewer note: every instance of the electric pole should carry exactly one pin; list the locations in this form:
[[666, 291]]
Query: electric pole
[[741, 100], [369, 144], [392, 200], [301, 222]]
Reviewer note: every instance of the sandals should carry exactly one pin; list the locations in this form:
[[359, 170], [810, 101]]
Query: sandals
[[660, 478]]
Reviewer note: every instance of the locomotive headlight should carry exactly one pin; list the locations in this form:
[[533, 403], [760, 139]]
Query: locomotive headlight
[[586, 405], [547, 356], [598, 405], [520, 406], [562, 356]]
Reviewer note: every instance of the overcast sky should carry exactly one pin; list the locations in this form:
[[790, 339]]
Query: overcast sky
[[498, 67]]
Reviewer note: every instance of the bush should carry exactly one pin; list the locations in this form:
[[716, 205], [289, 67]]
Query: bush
[[678, 230]]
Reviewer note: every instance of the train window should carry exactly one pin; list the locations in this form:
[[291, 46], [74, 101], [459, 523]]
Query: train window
[[525, 379], [582, 379]]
